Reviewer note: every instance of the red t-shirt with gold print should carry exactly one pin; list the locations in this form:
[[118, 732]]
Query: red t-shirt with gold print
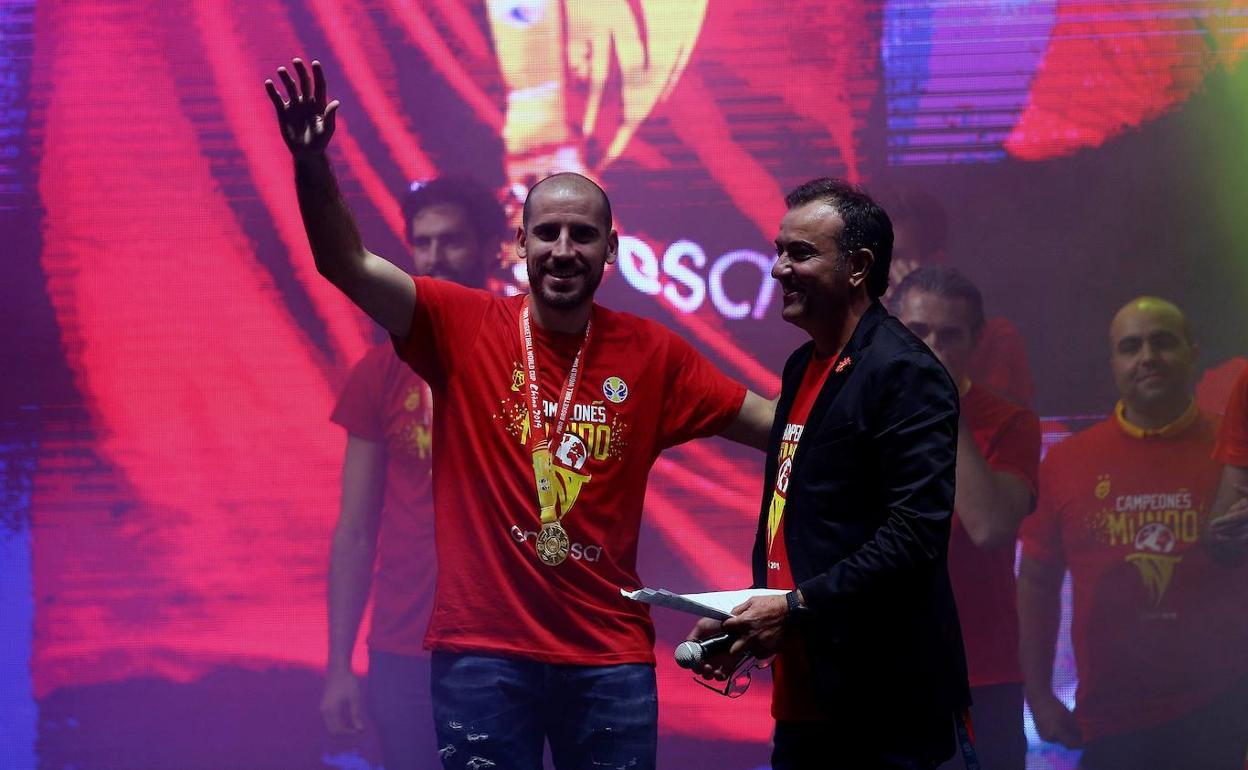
[[642, 389], [1159, 629]]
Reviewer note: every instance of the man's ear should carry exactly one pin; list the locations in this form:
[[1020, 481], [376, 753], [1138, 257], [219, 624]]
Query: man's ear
[[613, 247], [860, 262], [522, 247]]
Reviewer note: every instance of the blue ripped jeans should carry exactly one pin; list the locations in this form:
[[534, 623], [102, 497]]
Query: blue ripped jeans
[[492, 712]]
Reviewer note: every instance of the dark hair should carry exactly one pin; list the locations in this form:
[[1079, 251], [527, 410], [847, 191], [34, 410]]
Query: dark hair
[[945, 282], [574, 178], [866, 224], [923, 215], [485, 214]]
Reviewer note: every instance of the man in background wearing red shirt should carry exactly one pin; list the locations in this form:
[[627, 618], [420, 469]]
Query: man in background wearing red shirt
[[1160, 628], [1228, 532], [921, 229], [997, 465], [548, 413], [454, 230]]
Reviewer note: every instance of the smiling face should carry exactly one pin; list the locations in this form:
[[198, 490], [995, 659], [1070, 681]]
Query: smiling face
[[817, 282], [566, 243], [1153, 357]]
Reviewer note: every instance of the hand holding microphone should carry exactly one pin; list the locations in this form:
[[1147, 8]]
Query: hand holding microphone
[[692, 653], [755, 628], [708, 651]]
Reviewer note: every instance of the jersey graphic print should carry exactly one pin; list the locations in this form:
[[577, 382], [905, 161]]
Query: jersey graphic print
[[1152, 526], [788, 448], [594, 435]]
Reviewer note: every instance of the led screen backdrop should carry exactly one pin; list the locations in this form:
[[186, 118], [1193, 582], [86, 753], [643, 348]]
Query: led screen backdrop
[[171, 477]]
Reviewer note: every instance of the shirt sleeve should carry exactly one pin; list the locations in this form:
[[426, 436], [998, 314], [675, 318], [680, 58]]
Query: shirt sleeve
[[1232, 446], [444, 327], [699, 400], [359, 407], [1017, 449], [1041, 532], [1000, 362]]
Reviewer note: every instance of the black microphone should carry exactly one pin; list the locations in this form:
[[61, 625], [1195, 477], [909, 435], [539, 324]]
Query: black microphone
[[693, 653]]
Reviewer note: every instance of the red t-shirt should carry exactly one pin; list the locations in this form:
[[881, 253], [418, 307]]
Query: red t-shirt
[[983, 580], [385, 402], [1232, 446], [1000, 362], [793, 696], [1159, 629], [642, 389]]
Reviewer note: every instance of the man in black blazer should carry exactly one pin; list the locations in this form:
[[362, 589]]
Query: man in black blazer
[[855, 519]]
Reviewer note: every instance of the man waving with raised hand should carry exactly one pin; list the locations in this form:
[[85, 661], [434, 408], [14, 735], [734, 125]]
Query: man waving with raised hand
[[549, 411]]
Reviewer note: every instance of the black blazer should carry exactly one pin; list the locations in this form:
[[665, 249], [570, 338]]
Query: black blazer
[[866, 524]]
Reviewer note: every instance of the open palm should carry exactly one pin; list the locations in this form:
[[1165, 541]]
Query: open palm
[[305, 117]]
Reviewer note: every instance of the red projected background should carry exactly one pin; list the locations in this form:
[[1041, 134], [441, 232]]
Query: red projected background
[[187, 474]]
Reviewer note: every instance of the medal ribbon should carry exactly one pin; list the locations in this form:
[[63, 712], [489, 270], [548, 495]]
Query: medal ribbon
[[543, 473]]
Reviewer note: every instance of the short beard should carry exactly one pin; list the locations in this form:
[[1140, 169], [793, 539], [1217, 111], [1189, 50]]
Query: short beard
[[560, 301]]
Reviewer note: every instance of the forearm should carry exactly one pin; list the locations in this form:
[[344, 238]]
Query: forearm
[[380, 289], [335, 240], [752, 426], [1039, 614], [990, 504], [350, 577]]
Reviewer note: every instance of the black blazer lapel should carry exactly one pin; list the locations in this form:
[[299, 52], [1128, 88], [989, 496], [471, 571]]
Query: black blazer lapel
[[858, 343]]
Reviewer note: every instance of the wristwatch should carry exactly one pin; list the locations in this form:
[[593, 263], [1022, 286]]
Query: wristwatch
[[797, 610]]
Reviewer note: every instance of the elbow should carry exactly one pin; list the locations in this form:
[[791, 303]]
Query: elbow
[[334, 271], [993, 536], [985, 534], [997, 529], [342, 270]]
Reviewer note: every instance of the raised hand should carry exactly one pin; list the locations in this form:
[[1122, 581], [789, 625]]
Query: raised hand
[[305, 119]]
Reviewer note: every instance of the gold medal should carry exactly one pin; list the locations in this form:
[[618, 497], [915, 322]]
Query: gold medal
[[552, 544]]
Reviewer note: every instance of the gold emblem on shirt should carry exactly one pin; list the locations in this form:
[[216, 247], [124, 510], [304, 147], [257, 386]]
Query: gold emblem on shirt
[[1102, 486]]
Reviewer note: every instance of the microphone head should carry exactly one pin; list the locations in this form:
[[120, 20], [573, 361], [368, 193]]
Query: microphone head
[[688, 654]]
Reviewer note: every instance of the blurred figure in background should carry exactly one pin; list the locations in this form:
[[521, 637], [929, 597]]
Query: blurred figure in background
[[454, 228], [997, 467], [1160, 629], [922, 232], [1228, 532]]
